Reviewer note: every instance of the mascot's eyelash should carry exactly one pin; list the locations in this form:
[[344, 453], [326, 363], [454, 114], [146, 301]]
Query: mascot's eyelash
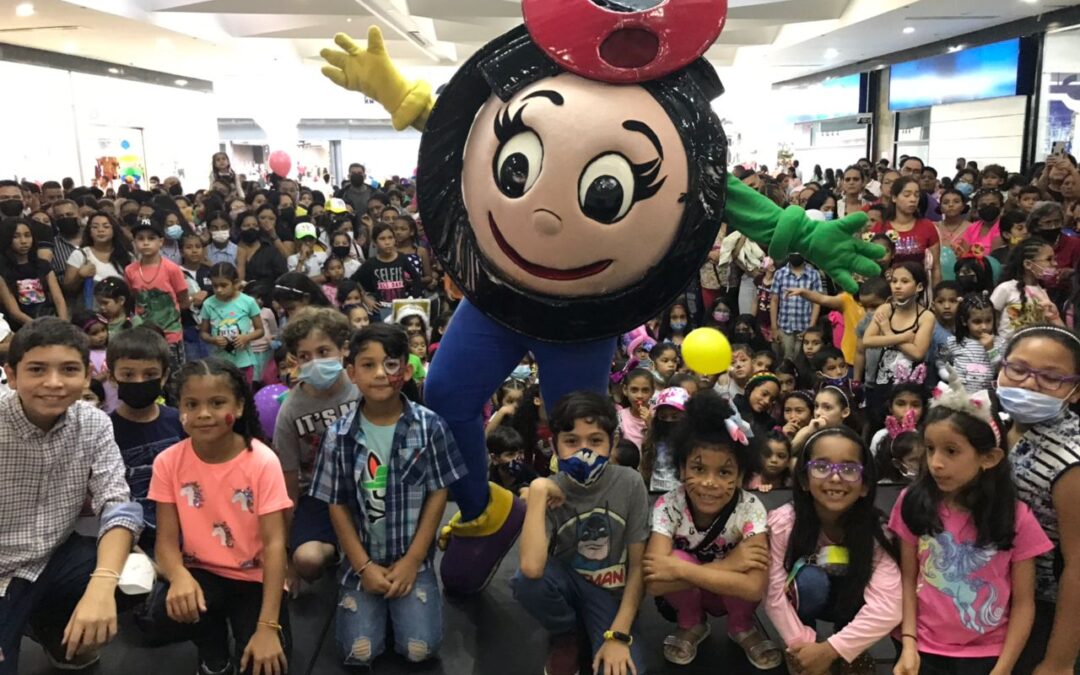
[[645, 183], [507, 127]]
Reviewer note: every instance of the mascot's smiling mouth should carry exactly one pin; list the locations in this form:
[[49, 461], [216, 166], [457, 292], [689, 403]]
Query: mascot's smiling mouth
[[539, 270]]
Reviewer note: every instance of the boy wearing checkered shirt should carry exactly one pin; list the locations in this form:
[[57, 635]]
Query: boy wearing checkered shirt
[[55, 450], [386, 522], [793, 314]]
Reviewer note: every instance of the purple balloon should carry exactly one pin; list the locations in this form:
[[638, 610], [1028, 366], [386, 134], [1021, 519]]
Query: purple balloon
[[267, 405]]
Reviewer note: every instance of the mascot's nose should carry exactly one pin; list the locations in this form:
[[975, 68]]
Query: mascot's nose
[[547, 222]]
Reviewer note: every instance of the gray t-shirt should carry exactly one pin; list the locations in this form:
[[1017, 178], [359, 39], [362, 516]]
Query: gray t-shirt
[[592, 530], [301, 423]]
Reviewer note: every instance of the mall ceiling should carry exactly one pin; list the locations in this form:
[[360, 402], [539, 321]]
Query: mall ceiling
[[212, 38]]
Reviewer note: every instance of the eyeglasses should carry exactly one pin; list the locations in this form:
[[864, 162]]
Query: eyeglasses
[[1019, 372], [849, 472]]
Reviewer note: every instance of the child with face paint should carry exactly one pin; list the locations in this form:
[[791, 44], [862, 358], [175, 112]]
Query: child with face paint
[[708, 552], [657, 456], [582, 544], [221, 505], [965, 501], [390, 554], [317, 339], [830, 559], [508, 467], [732, 383], [138, 361], [1038, 381]]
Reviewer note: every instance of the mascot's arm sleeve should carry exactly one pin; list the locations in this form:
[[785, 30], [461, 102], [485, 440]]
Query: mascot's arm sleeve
[[829, 245], [371, 72]]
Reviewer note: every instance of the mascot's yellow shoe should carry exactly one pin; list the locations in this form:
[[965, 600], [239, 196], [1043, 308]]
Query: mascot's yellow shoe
[[475, 548]]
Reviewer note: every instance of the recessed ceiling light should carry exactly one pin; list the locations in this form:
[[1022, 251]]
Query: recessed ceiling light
[[1030, 2], [908, 30], [348, 20], [114, 71], [831, 53], [956, 48], [24, 9], [181, 82]]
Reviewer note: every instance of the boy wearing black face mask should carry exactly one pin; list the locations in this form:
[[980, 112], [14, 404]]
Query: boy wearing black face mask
[[583, 543], [138, 361]]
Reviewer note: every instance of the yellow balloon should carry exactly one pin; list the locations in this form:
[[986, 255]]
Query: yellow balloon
[[707, 351]]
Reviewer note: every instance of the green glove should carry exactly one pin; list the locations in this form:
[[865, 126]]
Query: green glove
[[830, 245]]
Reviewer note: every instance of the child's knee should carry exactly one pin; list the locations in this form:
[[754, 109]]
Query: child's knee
[[417, 650], [310, 559], [359, 652], [358, 646]]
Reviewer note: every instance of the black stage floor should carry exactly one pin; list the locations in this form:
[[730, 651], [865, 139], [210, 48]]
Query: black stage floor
[[484, 635]]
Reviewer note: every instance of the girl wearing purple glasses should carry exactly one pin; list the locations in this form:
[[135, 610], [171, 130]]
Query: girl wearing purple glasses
[[831, 560]]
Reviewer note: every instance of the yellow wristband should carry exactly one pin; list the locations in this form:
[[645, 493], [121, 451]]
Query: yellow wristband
[[616, 636]]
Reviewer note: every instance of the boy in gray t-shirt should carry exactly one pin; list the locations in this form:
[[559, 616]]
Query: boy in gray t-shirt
[[317, 337], [583, 541]]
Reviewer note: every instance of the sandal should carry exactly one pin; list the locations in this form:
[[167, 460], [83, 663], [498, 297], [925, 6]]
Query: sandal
[[762, 653], [683, 650]]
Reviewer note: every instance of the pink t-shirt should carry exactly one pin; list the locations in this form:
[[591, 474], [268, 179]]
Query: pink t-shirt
[[974, 241], [964, 592], [881, 612], [632, 427], [219, 506]]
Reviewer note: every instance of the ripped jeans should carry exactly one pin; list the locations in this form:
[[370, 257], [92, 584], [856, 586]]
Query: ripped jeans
[[417, 620]]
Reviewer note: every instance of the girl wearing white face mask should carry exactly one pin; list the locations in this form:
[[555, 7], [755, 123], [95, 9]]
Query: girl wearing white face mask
[[1039, 379], [1021, 298]]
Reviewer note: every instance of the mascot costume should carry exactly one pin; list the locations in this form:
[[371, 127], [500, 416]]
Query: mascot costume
[[572, 179]]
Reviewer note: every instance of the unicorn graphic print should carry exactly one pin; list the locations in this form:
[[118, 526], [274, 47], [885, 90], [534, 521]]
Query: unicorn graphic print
[[951, 567]]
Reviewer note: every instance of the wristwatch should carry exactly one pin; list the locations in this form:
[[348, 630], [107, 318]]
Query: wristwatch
[[617, 636]]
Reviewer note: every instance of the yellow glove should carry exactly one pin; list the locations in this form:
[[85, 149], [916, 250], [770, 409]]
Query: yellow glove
[[371, 72]]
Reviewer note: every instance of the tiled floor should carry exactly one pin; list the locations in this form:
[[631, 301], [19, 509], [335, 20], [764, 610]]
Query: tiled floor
[[484, 635]]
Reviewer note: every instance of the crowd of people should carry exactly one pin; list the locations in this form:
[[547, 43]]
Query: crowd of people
[[230, 382]]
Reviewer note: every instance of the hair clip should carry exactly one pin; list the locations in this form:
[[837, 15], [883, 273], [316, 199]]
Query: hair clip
[[895, 428], [952, 396], [904, 373], [738, 429]]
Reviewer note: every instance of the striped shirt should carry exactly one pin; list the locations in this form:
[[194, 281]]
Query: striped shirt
[[423, 458], [46, 475], [974, 363], [1043, 455]]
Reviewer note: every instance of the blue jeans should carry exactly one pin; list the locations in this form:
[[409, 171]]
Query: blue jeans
[[475, 357], [417, 620], [562, 600], [46, 604], [815, 601]]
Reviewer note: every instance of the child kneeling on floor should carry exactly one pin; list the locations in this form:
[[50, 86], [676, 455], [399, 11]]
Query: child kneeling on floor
[[582, 544], [384, 469], [708, 553]]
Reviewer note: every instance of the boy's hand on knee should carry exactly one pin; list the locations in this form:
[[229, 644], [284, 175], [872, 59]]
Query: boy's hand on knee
[[613, 658], [402, 577], [264, 653], [374, 580], [93, 623], [185, 602]]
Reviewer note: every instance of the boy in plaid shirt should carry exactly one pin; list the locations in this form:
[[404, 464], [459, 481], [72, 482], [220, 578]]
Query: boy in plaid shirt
[[387, 522]]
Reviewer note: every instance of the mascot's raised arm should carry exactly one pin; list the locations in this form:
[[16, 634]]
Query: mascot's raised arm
[[571, 180]]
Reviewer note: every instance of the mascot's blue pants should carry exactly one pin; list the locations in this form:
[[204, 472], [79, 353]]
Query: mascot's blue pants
[[475, 357]]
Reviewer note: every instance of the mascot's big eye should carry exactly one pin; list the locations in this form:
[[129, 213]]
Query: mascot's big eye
[[606, 189], [518, 164]]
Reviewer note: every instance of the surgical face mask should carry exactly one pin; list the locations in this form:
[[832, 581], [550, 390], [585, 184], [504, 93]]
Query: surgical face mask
[[829, 215], [321, 373], [678, 325], [583, 467], [220, 236], [521, 372], [1030, 407], [174, 232], [1045, 274], [966, 189]]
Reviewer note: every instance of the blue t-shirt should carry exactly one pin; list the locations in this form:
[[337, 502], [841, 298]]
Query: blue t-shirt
[[379, 440], [140, 444], [232, 319]]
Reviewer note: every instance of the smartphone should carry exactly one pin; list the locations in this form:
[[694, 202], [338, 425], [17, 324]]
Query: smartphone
[[1058, 148]]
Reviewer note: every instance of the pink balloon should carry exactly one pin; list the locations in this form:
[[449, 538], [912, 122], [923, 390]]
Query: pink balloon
[[280, 163]]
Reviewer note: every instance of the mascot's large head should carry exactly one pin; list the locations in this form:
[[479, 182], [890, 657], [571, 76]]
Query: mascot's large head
[[572, 172]]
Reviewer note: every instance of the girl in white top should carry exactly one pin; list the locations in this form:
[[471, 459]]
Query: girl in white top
[[105, 252]]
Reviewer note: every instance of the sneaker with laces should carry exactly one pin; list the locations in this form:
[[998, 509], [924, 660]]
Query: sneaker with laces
[[564, 653]]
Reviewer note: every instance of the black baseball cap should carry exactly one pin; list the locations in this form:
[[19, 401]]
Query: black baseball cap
[[147, 224]]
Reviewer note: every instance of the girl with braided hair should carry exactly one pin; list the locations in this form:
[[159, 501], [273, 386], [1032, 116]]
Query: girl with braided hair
[[1021, 298]]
